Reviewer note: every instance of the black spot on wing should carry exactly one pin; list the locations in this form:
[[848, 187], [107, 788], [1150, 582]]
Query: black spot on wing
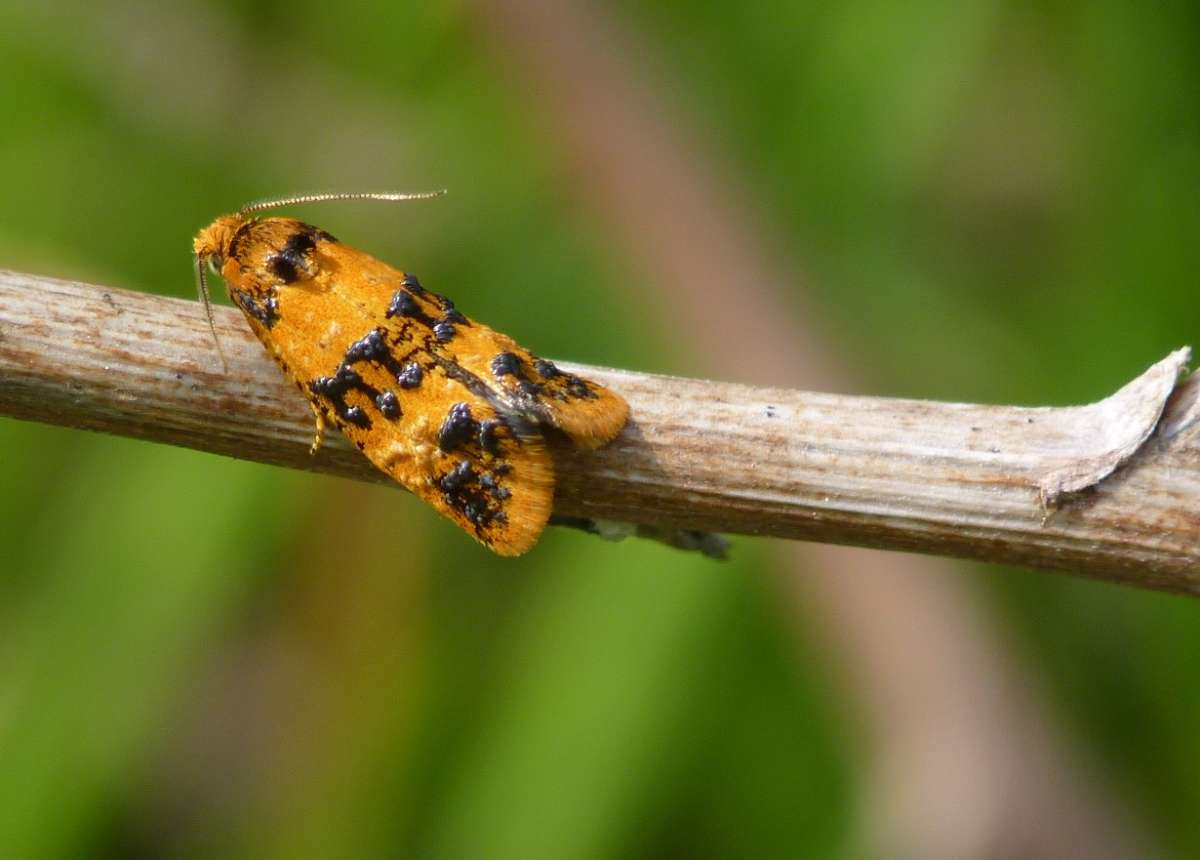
[[371, 347], [374, 347], [356, 416], [301, 242], [263, 305], [389, 405], [292, 259], [410, 375], [235, 243], [520, 423], [458, 428], [444, 331], [489, 439], [335, 388], [477, 495], [506, 364], [403, 304], [578, 389], [283, 268], [446, 327]]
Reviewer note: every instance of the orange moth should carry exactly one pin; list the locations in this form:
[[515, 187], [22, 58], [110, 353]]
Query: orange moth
[[454, 411]]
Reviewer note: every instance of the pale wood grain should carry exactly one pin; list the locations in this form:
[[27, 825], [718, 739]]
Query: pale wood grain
[[950, 479]]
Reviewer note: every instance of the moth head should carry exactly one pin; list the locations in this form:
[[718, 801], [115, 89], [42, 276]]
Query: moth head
[[211, 247], [211, 244]]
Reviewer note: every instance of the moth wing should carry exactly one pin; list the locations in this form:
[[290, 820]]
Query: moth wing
[[456, 452], [373, 371], [587, 412], [527, 386]]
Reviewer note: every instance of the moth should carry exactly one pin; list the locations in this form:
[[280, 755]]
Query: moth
[[456, 412]]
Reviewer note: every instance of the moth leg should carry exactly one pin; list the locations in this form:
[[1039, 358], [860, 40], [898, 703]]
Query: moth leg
[[320, 431]]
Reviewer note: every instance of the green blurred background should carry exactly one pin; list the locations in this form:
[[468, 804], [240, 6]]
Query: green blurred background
[[201, 657]]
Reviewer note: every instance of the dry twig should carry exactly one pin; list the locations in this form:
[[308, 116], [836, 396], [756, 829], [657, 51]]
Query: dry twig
[[1108, 490]]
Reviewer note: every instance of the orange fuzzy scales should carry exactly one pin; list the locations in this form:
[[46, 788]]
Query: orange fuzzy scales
[[449, 408]]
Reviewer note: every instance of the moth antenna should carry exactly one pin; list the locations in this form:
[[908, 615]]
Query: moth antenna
[[320, 197], [206, 300]]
